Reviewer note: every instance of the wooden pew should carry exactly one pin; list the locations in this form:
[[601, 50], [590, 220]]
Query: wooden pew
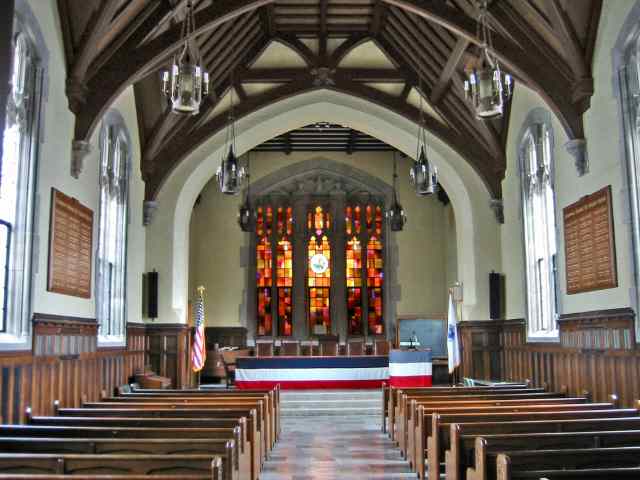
[[263, 402], [531, 463], [217, 408], [479, 460], [518, 406], [119, 464], [437, 438], [272, 398], [472, 430], [432, 406], [233, 467], [251, 434], [401, 420], [394, 395]]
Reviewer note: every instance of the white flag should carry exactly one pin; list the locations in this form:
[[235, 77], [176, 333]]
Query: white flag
[[453, 345]]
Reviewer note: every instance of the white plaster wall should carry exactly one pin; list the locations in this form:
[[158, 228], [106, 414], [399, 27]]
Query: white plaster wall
[[54, 171], [451, 252], [216, 239], [477, 233], [606, 161]]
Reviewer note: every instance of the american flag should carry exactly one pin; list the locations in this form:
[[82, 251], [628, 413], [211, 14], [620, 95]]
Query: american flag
[[199, 352]]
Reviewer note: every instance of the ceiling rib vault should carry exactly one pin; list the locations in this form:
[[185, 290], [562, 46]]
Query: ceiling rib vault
[[385, 51]]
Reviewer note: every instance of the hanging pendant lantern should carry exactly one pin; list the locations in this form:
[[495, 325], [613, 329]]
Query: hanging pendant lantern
[[423, 173], [395, 214], [229, 174], [187, 83], [487, 88], [245, 212]]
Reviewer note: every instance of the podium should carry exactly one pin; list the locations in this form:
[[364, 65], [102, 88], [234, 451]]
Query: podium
[[410, 368]]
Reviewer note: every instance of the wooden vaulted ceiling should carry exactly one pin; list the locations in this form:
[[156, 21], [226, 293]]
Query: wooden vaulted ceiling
[[390, 52]]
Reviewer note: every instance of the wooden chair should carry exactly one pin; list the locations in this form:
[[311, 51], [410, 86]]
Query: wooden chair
[[264, 347], [381, 346], [356, 347], [329, 349], [290, 348]]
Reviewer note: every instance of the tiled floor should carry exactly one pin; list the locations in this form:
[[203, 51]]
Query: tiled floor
[[331, 447]]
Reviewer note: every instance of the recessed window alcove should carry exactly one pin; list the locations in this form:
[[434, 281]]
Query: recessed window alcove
[[321, 259]]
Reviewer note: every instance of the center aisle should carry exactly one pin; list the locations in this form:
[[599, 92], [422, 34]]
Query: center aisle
[[329, 435]]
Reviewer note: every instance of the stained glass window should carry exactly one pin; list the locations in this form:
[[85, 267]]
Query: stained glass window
[[264, 270], [354, 286], [373, 216], [319, 283], [318, 221], [375, 280], [284, 281], [353, 220]]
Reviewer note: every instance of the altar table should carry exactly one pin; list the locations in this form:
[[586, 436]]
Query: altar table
[[301, 373], [354, 372]]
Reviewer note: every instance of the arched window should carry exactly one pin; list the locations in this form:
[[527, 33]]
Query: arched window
[[319, 271], [284, 273], [111, 257], [538, 213], [359, 301], [264, 269], [18, 172]]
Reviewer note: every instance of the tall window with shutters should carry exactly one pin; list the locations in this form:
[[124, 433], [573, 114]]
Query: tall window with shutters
[[538, 207], [111, 257], [18, 172]]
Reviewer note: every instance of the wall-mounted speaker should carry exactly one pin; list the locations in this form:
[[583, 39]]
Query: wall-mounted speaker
[[150, 294], [496, 289]]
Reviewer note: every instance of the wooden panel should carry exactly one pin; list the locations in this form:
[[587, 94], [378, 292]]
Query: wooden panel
[[168, 352], [70, 246], [590, 253], [580, 367], [64, 367]]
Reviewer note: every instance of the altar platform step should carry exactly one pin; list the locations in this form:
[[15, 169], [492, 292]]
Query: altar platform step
[[330, 403]]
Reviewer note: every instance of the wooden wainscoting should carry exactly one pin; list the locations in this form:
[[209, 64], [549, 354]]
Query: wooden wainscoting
[[66, 365], [168, 347], [597, 353]]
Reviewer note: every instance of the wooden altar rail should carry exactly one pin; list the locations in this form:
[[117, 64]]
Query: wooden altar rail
[[498, 350]]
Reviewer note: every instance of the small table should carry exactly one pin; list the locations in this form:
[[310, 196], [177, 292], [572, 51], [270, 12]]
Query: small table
[[410, 368]]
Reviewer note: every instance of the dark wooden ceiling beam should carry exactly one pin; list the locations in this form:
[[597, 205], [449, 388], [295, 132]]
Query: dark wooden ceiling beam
[[355, 40], [444, 81], [378, 18], [531, 66], [324, 5], [574, 54], [175, 151], [278, 75], [131, 59]]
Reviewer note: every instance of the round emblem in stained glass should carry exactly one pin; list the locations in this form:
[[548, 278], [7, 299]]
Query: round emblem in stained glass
[[319, 263]]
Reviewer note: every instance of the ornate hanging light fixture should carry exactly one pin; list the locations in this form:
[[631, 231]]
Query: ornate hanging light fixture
[[187, 83], [245, 213], [487, 88], [229, 174], [395, 214], [423, 173]]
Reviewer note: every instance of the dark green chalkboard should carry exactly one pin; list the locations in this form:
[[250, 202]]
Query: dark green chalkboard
[[431, 332]]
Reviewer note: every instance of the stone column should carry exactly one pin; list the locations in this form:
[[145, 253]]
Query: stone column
[[338, 304], [6, 54], [300, 324]]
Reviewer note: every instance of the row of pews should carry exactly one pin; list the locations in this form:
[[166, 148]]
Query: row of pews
[[147, 434], [511, 432]]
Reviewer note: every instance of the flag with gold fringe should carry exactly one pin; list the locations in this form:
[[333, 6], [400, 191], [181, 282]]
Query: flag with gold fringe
[[198, 352]]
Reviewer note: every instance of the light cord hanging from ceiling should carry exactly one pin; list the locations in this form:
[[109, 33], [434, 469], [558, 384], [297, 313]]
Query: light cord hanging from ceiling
[[229, 174], [395, 214], [187, 83], [423, 173], [487, 88]]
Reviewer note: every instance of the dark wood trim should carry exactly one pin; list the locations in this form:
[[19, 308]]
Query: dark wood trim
[[62, 319], [624, 312]]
